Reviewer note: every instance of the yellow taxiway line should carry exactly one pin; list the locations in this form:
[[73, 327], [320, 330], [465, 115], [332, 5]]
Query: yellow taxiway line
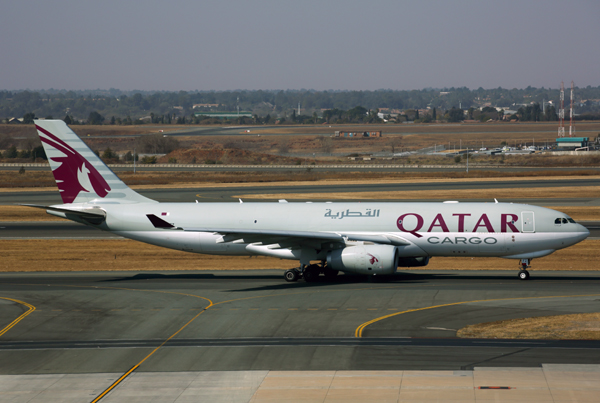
[[359, 330], [20, 318]]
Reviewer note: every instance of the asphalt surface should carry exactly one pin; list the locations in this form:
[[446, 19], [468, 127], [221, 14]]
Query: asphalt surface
[[231, 193], [108, 322]]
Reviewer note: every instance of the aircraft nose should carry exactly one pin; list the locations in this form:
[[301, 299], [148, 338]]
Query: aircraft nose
[[583, 232]]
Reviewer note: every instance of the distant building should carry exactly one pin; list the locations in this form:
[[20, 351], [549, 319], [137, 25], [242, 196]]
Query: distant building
[[384, 115], [357, 134], [224, 115], [205, 106], [571, 143]]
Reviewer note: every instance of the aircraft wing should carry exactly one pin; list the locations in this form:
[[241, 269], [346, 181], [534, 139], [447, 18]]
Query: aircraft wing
[[287, 237]]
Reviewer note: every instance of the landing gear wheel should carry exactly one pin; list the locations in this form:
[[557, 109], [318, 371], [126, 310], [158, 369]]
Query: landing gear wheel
[[291, 275], [330, 274], [311, 274], [523, 275]]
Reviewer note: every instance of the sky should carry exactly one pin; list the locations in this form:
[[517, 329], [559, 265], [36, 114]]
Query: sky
[[305, 44]]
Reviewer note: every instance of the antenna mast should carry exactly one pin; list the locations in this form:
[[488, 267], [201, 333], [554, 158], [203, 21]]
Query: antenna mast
[[571, 127], [561, 111]]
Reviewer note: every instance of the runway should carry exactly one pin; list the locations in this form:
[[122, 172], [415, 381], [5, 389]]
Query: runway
[[231, 193], [253, 320]]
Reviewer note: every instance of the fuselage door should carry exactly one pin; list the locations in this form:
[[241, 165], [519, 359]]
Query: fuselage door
[[528, 222]]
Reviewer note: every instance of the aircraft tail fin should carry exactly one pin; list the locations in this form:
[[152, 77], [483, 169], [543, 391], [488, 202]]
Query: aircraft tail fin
[[80, 175]]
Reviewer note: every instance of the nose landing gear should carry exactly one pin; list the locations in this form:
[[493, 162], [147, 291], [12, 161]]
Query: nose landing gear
[[523, 273]]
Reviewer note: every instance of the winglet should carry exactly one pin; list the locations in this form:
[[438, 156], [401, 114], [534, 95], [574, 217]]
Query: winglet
[[159, 222]]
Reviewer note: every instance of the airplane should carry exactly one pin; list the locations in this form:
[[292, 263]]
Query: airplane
[[369, 238]]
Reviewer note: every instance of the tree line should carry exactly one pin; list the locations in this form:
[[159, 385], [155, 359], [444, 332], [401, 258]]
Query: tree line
[[118, 107]]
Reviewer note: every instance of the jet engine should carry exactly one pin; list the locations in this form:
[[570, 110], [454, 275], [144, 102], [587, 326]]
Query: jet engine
[[364, 259]]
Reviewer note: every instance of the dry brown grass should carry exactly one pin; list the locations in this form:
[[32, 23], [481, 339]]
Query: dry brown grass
[[21, 213], [579, 213], [585, 326], [94, 255], [308, 139]]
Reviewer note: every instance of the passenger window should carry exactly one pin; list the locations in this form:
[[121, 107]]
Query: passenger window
[[564, 221], [557, 221]]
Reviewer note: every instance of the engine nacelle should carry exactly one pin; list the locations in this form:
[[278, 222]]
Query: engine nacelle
[[413, 261], [364, 259]]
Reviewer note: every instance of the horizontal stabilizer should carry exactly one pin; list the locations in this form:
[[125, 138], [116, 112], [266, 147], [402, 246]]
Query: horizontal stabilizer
[[92, 215]]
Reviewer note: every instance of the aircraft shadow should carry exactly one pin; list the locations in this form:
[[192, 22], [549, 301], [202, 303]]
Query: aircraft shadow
[[398, 278], [193, 276]]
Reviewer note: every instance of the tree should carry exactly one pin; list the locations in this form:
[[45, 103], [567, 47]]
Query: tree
[[326, 144], [95, 118], [395, 143], [434, 114], [551, 114], [39, 152], [109, 154], [156, 144], [28, 117], [456, 115], [11, 152]]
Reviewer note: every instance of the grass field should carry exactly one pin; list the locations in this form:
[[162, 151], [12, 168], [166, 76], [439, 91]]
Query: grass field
[[308, 139], [584, 326], [99, 255]]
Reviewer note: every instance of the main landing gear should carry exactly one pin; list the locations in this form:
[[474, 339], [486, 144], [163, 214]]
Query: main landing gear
[[310, 273], [523, 273]]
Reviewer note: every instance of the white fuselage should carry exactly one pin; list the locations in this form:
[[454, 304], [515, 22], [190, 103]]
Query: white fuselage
[[425, 229]]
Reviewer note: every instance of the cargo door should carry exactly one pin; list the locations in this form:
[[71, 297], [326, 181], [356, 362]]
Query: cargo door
[[527, 221]]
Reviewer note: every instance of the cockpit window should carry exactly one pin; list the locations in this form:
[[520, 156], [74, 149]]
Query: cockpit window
[[557, 221], [564, 221], [572, 221]]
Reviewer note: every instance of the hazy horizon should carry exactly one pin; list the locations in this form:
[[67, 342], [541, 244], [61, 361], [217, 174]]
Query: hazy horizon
[[279, 45]]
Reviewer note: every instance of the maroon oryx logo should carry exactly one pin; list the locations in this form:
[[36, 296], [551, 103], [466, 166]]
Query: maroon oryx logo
[[74, 173], [373, 259]]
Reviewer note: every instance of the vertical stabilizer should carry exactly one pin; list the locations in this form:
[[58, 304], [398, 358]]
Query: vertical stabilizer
[[80, 175]]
